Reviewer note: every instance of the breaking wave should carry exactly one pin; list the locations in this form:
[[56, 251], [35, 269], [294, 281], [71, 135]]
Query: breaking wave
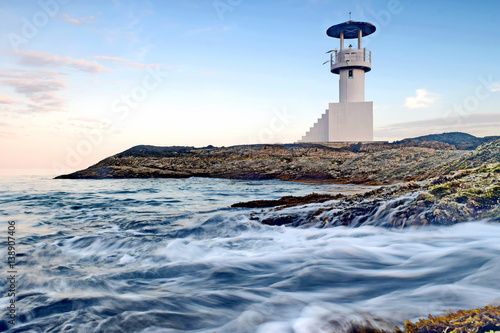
[[171, 256]]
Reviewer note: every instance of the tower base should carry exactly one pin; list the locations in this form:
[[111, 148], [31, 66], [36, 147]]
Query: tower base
[[343, 122]]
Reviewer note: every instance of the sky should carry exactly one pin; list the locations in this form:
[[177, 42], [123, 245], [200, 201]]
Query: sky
[[83, 80]]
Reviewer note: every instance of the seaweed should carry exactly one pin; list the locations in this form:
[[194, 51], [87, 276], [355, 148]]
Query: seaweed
[[482, 320]]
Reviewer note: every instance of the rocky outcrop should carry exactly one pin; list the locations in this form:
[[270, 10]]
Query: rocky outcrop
[[467, 188], [465, 195], [370, 163], [288, 201]]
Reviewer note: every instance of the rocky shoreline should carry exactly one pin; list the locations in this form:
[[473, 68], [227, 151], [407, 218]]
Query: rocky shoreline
[[373, 163], [469, 194], [424, 182], [467, 188], [433, 182]]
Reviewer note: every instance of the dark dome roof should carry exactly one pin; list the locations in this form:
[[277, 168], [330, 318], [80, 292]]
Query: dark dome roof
[[351, 29]]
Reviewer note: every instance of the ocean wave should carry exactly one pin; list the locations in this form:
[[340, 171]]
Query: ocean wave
[[198, 267]]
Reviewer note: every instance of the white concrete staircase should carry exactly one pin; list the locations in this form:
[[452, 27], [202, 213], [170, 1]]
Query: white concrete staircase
[[319, 131]]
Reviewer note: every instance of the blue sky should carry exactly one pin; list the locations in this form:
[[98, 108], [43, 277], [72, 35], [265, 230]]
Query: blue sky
[[82, 80]]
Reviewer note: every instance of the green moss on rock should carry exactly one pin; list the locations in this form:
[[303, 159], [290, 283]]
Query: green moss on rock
[[445, 189]]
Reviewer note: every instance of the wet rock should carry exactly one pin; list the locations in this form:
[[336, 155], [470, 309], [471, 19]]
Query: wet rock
[[464, 195], [288, 201]]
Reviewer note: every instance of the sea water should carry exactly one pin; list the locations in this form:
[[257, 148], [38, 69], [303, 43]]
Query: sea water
[[170, 255]]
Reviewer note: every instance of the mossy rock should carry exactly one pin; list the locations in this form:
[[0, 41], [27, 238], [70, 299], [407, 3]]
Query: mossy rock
[[481, 320], [445, 189], [448, 212], [470, 195], [494, 168], [426, 198], [478, 198], [493, 194]]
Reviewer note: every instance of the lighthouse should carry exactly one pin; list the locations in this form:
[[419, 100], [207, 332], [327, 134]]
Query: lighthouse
[[351, 119]]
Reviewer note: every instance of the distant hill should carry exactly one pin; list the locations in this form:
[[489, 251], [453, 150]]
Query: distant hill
[[461, 141]]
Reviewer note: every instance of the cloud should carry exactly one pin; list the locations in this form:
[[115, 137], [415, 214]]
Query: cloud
[[125, 61], [23, 74], [84, 20], [43, 59], [140, 65], [33, 87], [40, 88], [89, 66], [5, 134], [77, 125], [67, 18], [495, 86], [481, 124], [90, 122], [111, 58], [422, 100], [4, 99]]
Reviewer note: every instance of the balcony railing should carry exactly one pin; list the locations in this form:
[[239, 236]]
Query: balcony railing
[[354, 58], [351, 55]]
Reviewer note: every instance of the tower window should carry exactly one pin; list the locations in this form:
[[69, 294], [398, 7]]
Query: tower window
[[350, 74]]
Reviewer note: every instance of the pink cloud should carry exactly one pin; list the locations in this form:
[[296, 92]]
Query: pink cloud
[[89, 66], [29, 87], [40, 88], [129, 62], [139, 65], [22, 74], [43, 59], [7, 134], [90, 120], [84, 20], [71, 20], [4, 99], [111, 58]]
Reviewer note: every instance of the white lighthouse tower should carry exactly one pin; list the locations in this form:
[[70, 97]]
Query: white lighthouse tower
[[352, 118]]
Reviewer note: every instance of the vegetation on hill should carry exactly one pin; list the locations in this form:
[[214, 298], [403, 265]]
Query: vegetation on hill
[[458, 140]]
